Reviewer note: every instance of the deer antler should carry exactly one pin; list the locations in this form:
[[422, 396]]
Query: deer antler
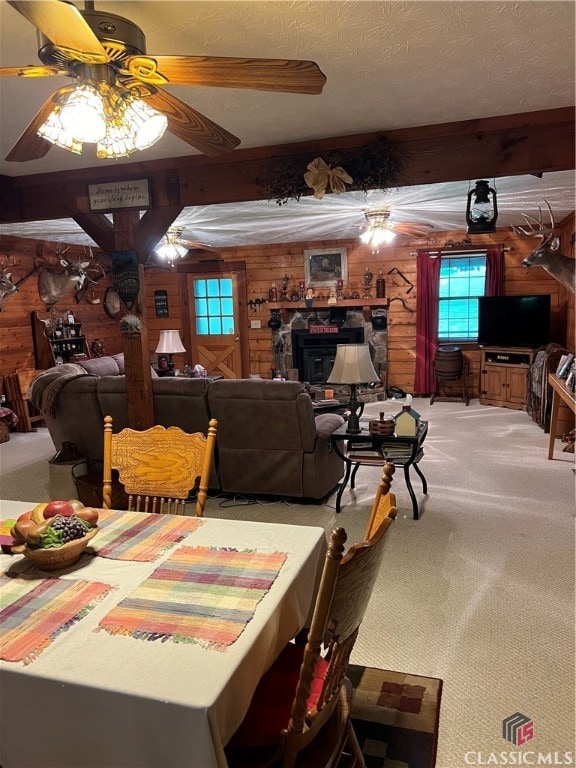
[[542, 231]]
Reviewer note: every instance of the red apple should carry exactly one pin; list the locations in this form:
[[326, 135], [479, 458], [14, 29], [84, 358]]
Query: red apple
[[58, 507]]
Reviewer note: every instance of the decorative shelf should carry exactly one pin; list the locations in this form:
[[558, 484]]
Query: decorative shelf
[[323, 304]]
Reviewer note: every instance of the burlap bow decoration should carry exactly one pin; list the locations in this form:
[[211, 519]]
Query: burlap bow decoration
[[320, 174]]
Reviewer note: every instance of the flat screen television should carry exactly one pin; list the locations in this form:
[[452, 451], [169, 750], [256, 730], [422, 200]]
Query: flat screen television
[[514, 321]]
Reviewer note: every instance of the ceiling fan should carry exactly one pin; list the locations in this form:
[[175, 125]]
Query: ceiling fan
[[172, 246], [382, 229], [108, 52]]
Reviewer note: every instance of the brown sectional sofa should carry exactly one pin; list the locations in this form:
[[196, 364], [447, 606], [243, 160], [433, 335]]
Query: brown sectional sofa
[[269, 442]]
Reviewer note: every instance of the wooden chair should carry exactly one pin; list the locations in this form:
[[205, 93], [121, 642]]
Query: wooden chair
[[300, 713], [158, 467], [17, 388], [384, 501]]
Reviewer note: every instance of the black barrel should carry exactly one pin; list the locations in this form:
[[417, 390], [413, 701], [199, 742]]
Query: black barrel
[[448, 363]]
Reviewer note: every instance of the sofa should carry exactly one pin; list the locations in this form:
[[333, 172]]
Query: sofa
[[269, 442]]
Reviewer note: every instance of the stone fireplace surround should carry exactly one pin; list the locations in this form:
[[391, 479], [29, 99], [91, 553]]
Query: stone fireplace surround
[[355, 329]]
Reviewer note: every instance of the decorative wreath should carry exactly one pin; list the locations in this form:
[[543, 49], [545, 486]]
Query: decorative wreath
[[376, 166]]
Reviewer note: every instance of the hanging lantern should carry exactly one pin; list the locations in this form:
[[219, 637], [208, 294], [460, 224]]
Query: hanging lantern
[[481, 209]]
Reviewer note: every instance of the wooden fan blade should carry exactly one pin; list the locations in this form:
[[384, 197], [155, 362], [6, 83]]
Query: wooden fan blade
[[291, 76], [193, 244], [63, 24], [414, 229], [191, 126], [30, 146], [40, 71]]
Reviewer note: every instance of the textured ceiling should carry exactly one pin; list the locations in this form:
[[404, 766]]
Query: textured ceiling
[[388, 65]]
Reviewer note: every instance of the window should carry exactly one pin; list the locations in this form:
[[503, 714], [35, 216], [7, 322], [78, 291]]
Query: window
[[214, 306], [462, 280]]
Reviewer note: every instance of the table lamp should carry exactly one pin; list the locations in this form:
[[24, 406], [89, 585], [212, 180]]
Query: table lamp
[[353, 366], [169, 344]]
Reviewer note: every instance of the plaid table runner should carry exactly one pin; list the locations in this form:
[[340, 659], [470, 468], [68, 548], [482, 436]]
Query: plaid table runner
[[202, 595], [138, 535], [33, 613]]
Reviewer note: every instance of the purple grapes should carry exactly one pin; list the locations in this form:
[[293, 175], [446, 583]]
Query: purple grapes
[[71, 528]]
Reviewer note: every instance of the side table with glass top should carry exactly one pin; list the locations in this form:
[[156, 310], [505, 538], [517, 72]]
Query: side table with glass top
[[365, 449]]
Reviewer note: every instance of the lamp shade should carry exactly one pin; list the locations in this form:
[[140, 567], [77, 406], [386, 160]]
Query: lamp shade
[[353, 365], [169, 343]]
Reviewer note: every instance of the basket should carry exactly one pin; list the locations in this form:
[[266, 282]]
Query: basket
[[382, 428], [57, 558], [4, 432], [89, 487]]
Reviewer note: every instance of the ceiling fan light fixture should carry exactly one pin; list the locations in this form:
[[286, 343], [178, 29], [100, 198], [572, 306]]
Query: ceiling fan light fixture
[[170, 249], [101, 113], [379, 231], [53, 132], [82, 115], [147, 124]]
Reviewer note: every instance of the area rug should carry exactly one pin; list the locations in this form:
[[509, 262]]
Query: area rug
[[395, 717]]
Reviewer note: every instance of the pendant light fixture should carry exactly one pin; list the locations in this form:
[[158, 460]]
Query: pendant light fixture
[[481, 209]]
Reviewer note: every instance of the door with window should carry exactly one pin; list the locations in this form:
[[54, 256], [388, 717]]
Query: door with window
[[215, 322]]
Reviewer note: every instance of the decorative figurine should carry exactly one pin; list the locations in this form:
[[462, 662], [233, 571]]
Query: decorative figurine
[[309, 300], [367, 284], [333, 299], [97, 348]]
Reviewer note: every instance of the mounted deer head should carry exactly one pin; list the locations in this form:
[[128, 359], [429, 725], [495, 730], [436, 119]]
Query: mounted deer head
[[7, 286], [547, 255], [53, 284]]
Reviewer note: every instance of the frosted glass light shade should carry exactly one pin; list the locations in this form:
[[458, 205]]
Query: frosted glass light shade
[[169, 343], [353, 365]]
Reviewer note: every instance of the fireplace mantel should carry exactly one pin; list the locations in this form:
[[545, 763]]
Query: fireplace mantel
[[296, 306]]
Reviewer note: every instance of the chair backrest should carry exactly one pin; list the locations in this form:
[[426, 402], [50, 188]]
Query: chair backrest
[[158, 466], [345, 589]]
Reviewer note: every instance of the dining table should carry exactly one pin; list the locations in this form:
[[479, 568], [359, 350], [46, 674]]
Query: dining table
[[147, 651]]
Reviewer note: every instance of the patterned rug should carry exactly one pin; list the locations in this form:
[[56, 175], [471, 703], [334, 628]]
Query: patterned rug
[[395, 717]]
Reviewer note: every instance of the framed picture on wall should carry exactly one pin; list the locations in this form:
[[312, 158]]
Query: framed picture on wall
[[324, 266]]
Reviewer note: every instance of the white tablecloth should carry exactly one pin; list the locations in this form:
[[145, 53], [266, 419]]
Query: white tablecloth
[[95, 699]]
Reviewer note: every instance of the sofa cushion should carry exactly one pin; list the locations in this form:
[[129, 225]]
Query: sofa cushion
[[102, 366], [326, 423]]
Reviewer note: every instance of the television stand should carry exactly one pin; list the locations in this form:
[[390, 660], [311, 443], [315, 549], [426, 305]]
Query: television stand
[[504, 376]]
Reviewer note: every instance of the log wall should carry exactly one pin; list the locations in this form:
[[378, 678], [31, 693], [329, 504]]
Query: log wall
[[266, 264]]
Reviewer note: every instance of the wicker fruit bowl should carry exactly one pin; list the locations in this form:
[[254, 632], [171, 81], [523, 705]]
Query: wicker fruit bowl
[[58, 558]]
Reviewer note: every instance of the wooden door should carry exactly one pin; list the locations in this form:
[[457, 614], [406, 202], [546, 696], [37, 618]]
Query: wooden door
[[215, 322]]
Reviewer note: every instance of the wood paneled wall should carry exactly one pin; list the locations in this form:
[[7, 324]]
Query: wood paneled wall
[[265, 265]]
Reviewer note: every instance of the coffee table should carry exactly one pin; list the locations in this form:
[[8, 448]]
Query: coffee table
[[364, 449]]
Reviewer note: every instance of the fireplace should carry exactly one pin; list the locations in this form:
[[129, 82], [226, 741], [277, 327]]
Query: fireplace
[[313, 353]]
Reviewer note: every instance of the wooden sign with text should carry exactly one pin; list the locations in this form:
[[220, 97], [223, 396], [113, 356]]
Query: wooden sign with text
[[118, 195]]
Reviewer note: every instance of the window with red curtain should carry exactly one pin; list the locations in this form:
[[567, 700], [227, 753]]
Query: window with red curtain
[[447, 296]]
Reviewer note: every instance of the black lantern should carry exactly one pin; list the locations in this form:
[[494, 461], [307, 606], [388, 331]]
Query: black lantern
[[481, 209]]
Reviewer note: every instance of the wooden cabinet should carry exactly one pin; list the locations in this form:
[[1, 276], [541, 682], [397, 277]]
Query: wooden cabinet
[[504, 377], [71, 347]]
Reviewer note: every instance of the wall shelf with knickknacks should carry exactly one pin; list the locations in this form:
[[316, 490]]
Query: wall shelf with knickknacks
[[322, 304], [57, 340]]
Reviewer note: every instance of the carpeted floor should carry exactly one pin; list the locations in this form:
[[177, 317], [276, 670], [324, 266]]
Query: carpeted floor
[[479, 592], [395, 717]]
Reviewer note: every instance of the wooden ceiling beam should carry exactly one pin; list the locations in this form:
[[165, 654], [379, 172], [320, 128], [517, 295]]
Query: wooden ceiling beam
[[98, 227], [527, 143]]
